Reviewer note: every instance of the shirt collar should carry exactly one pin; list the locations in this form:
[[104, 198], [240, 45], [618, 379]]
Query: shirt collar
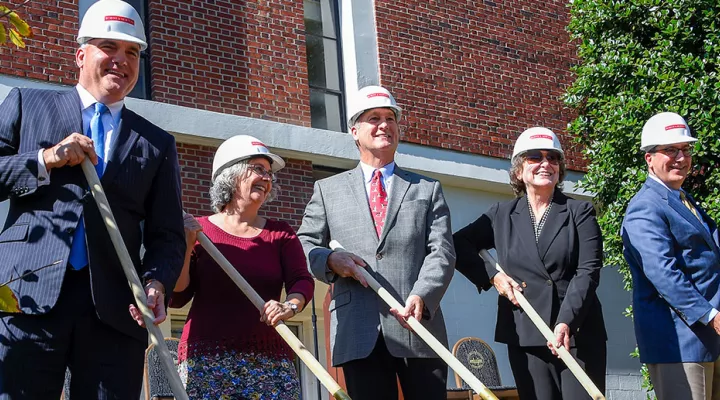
[[387, 170], [656, 179], [87, 100]]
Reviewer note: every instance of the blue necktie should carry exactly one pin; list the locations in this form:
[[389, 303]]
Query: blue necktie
[[78, 251]]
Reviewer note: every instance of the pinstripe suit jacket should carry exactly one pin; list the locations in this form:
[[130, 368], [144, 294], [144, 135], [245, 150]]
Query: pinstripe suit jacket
[[142, 184], [413, 256]]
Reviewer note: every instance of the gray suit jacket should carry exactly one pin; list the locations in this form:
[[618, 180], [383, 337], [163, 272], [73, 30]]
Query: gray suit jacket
[[414, 256]]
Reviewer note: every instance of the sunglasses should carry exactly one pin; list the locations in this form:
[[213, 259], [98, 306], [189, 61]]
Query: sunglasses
[[259, 170], [537, 156]]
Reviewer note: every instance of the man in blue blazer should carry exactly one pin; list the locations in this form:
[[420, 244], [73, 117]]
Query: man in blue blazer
[[63, 295], [671, 245]]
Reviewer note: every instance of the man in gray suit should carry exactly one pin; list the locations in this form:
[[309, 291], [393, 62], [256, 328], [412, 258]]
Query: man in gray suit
[[395, 224]]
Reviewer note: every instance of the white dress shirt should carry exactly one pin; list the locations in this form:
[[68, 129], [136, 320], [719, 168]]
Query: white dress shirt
[[110, 122], [388, 171]]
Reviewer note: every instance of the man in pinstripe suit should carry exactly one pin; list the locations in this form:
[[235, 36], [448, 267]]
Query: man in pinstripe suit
[[397, 225], [65, 299]]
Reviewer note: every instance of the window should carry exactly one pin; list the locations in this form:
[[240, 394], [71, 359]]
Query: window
[[142, 87], [324, 67], [296, 328]]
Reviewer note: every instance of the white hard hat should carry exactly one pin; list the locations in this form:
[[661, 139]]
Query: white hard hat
[[537, 138], [112, 19], [665, 128], [371, 97], [242, 147]]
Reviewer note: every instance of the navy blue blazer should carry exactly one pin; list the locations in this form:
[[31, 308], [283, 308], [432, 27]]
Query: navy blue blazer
[[142, 184], [675, 264]]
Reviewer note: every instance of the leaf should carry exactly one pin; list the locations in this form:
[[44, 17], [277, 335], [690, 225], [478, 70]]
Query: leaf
[[3, 35], [8, 300], [16, 38], [20, 25]]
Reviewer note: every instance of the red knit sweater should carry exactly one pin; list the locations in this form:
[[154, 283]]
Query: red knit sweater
[[221, 318]]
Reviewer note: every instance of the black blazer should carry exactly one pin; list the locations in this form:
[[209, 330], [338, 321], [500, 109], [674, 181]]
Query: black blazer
[[559, 274], [142, 184]]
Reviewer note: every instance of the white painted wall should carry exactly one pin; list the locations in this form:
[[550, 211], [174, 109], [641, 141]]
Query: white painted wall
[[468, 313]]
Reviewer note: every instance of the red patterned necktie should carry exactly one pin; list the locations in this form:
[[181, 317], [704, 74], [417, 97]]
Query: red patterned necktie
[[378, 201]]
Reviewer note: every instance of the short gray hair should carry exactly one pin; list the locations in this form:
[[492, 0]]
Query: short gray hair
[[223, 188], [516, 166]]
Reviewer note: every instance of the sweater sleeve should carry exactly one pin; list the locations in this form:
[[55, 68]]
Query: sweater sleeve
[[296, 276]]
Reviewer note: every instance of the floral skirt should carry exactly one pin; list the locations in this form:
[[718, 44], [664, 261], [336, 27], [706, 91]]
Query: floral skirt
[[239, 375]]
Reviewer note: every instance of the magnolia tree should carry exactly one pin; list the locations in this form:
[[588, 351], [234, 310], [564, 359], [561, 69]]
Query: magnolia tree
[[638, 58], [14, 28]]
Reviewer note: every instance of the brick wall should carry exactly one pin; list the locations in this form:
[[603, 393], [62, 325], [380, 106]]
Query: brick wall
[[296, 188], [50, 53], [295, 180], [236, 57], [473, 75], [195, 171]]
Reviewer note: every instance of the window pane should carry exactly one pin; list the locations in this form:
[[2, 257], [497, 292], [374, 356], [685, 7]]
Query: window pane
[[332, 108], [140, 90], [328, 18], [315, 60], [313, 17], [325, 110], [318, 115], [322, 58], [320, 17], [332, 75]]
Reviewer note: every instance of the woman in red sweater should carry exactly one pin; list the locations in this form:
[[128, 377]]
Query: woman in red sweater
[[228, 349]]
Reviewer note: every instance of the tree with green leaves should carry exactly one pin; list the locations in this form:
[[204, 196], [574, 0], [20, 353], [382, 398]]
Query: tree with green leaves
[[638, 58], [14, 28]]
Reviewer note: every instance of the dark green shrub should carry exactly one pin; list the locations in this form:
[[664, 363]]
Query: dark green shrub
[[638, 58]]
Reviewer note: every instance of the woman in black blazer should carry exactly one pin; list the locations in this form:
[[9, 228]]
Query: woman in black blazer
[[550, 246]]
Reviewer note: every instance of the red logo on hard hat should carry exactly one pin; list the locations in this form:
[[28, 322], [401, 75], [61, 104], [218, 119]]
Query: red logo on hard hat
[[119, 18], [371, 95], [257, 144], [548, 137], [676, 126]]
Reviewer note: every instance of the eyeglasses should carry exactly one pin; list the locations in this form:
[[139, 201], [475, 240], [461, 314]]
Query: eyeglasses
[[673, 152], [537, 156], [259, 170]]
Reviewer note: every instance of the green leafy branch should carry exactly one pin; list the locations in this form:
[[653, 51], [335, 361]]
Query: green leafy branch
[[638, 58], [17, 28]]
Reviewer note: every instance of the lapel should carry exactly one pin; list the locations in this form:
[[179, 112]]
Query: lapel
[[400, 185], [711, 241], [673, 201], [356, 182], [69, 113], [711, 224], [122, 142], [556, 219], [521, 223]]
